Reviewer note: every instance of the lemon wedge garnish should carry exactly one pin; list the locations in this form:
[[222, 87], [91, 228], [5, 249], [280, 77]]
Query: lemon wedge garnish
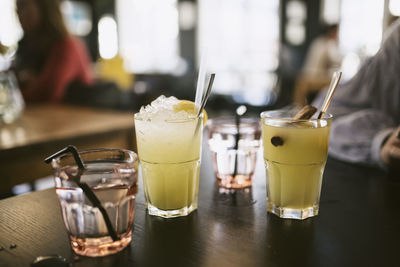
[[189, 107]]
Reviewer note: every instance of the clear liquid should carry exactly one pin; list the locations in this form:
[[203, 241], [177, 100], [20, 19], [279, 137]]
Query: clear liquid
[[225, 156], [116, 188], [171, 188]]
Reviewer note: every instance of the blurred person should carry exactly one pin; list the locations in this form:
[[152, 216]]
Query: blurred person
[[323, 57], [366, 109], [48, 58]]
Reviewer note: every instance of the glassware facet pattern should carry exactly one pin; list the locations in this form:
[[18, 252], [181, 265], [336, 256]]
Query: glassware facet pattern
[[295, 155], [169, 152], [112, 176], [222, 138]]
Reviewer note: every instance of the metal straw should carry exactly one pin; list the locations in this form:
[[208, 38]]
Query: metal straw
[[332, 87], [207, 94], [204, 101]]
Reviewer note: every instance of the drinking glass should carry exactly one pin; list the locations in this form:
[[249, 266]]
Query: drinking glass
[[295, 153], [234, 150], [11, 101], [109, 174], [169, 152]]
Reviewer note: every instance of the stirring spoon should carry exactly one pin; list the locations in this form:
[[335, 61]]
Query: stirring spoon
[[204, 101], [332, 87], [207, 94]]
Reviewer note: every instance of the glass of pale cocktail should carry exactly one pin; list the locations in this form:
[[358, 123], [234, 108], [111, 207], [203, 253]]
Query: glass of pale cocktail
[[295, 153], [169, 134]]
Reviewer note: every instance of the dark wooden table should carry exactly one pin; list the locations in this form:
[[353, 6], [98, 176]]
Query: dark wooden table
[[358, 225], [44, 129]]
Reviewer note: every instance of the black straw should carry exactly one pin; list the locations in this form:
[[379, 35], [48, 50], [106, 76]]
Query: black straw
[[86, 189], [236, 148], [73, 151]]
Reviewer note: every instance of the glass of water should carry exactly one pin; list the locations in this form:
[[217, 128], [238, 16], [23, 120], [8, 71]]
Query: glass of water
[[110, 179], [234, 146]]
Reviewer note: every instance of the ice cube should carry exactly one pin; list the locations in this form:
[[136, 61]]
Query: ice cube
[[161, 109]]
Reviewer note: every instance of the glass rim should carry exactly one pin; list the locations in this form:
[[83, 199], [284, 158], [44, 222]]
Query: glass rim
[[189, 119], [266, 115], [133, 157], [230, 120]]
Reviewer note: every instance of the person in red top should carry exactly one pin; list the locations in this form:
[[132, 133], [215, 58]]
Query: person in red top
[[48, 58]]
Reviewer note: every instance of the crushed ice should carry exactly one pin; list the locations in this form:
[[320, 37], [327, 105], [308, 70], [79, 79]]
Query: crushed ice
[[161, 109]]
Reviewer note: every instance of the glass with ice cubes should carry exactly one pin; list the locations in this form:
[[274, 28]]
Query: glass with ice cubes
[[169, 135]]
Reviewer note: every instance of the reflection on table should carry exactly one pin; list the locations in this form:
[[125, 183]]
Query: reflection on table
[[357, 226]]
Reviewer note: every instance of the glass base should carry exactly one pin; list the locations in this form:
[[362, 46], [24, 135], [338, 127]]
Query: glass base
[[170, 213], [238, 182], [98, 247], [287, 213]]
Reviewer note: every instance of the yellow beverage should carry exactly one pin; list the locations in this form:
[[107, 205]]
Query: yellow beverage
[[295, 154], [169, 149]]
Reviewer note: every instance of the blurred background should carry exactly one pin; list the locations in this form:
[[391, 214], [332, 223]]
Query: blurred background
[[266, 54], [257, 48]]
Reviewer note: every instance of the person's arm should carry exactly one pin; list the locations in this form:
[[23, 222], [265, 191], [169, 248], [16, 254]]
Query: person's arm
[[359, 128], [58, 71], [358, 137], [366, 109]]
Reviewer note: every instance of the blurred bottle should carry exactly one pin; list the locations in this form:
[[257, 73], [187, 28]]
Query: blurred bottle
[[11, 100]]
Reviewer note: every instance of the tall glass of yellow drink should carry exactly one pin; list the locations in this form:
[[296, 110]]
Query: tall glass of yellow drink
[[295, 153], [169, 149]]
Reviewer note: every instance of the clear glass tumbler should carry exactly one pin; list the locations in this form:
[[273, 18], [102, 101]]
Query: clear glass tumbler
[[111, 175], [233, 150], [11, 101], [169, 152], [295, 153]]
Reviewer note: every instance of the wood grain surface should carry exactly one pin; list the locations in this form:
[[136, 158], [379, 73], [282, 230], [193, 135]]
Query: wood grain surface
[[358, 225], [47, 123], [45, 129]]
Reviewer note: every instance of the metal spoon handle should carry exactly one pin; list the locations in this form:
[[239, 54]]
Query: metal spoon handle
[[328, 98], [207, 94]]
